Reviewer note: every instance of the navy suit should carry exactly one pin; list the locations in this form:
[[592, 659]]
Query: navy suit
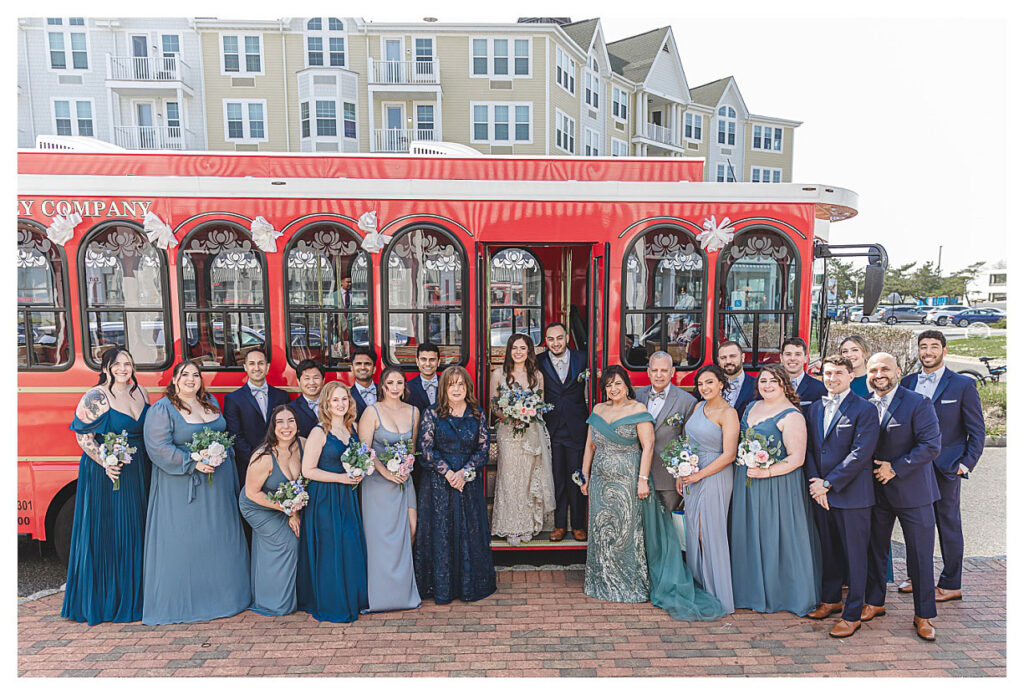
[[358, 398], [245, 420], [843, 457], [418, 395], [810, 391], [305, 418], [910, 440], [748, 394], [567, 425], [958, 409]]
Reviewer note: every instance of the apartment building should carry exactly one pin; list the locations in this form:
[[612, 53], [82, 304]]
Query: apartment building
[[543, 86], [989, 287]]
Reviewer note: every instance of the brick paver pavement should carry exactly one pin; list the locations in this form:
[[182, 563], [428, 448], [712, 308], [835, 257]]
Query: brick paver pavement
[[539, 623]]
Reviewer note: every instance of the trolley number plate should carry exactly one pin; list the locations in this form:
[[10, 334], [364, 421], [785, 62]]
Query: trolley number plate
[[24, 506]]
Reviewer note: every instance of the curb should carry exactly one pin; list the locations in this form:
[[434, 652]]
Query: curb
[[996, 442], [41, 594]]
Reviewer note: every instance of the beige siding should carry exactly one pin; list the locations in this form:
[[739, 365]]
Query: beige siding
[[706, 135], [759, 158], [610, 121], [561, 99]]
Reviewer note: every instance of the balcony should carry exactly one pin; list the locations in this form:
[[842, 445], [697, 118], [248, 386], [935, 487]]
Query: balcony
[[658, 133], [403, 73], [137, 137], [398, 139], [162, 69]]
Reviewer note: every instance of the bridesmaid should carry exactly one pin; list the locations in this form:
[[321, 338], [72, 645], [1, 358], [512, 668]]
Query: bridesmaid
[[452, 553], [714, 430], [275, 535], [105, 563], [776, 559], [197, 562], [389, 499], [856, 349], [331, 581]]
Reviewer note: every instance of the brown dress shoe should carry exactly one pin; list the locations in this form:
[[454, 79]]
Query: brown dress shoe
[[557, 534], [905, 587], [868, 612], [579, 534], [825, 610], [844, 628], [924, 628], [943, 595]]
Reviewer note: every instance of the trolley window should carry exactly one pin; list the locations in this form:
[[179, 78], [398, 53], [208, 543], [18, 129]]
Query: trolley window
[[223, 290], [516, 285], [663, 279], [44, 336], [758, 282], [123, 289], [424, 297], [328, 301]]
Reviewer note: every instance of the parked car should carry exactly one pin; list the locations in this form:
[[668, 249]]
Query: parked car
[[857, 315], [939, 316], [965, 318], [900, 313]]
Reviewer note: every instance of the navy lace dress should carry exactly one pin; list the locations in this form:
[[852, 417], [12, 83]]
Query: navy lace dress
[[452, 548]]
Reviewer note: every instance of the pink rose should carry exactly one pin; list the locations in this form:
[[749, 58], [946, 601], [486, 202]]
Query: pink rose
[[761, 456]]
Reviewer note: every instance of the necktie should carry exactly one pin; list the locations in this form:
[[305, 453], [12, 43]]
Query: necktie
[[313, 405], [733, 391], [260, 393], [795, 382]]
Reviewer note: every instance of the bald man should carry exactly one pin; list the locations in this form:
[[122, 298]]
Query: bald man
[[905, 488]]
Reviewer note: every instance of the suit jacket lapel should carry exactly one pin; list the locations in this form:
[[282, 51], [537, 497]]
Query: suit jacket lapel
[[548, 367], [896, 398], [671, 399], [842, 411], [819, 424], [572, 372], [947, 376], [255, 404]]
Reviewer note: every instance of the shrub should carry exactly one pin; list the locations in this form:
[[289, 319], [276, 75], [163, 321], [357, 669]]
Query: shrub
[[1001, 323], [898, 341], [993, 405]]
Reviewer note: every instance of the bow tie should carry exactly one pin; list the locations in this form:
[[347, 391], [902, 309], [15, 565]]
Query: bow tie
[[432, 382], [655, 396], [927, 378], [877, 400], [261, 389], [833, 399], [795, 382]]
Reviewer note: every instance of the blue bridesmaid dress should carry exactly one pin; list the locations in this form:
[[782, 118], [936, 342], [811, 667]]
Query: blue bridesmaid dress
[[104, 581], [331, 580], [197, 562]]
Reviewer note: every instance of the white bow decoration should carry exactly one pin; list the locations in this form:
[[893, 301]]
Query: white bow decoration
[[158, 232], [264, 235], [715, 235], [374, 241], [62, 228]]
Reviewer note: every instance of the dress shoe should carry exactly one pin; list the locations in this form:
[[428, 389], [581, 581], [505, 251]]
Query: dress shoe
[[579, 534], [943, 595], [825, 610], [868, 612], [924, 628], [557, 534], [844, 628], [905, 587]]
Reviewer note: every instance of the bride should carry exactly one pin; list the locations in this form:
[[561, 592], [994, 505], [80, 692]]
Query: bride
[[524, 497]]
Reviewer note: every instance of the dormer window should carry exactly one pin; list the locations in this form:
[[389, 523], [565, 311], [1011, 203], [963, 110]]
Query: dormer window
[[726, 125]]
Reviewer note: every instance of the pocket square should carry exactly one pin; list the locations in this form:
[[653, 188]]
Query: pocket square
[[947, 402], [894, 424], [846, 425], [802, 403]]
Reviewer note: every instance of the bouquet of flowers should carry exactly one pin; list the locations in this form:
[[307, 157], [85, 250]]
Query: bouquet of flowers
[[210, 447], [675, 420], [757, 451], [115, 452], [400, 457], [584, 376], [469, 474], [518, 407], [579, 477], [358, 460], [291, 494], [680, 458]]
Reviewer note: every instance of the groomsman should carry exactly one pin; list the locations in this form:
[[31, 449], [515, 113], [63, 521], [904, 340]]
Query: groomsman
[[958, 407], [742, 388], [794, 360], [246, 409], [364, 390], [565, 388], [310, 375], [423, 386], [905, 489], [663, 400], [842, 434]]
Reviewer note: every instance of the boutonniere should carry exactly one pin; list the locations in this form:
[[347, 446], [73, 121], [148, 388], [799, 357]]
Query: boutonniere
[[578, 477], [675, 420], [584, 376]]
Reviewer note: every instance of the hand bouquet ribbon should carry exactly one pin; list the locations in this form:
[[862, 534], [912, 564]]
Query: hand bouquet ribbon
[[115, 452]]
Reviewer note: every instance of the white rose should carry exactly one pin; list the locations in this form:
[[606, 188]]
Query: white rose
[[755, 446], [110, 461], [217, 449], [197, 456], [394, 464]]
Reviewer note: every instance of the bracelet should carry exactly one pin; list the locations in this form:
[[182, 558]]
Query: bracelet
[[643, 477]]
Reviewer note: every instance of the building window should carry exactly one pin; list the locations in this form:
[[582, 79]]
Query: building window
[[765, 175], [123, 289], [336, 44], [173, 119], [44, 337], [758, 288], [304, 118], [170, 44], [501, 123], [315, 24], [523, 123], [693, 126], [326, 119], [350, 119], [565, 132], [328, 306], [423, 298], [314, 50], [424, 50], [79, 123], [223, 293], [592, 83], [725, 173], [244, 121], [62, 42], [619, 148], [565, 71], [726, 125], [517, 295], [522, 57], [663, 281], [997, 279], [491, 58], [424, 121], [997, 296], [237, 45], [479, 56], [591, 142], [620, 103], [767, 138]]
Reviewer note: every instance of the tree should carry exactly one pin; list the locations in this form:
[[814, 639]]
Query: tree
[[956, 284], [848, 277]]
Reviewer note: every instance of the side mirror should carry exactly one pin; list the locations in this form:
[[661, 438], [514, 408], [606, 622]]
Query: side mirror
[[874, 278]]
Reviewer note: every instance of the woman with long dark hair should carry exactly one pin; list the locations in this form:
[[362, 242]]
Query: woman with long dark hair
[[452, 553], [275, 533], [197, 561], [104, 581], [776, 559], [524, 490]]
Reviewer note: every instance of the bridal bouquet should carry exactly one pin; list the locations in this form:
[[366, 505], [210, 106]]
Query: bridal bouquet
[[291, 495], [210, 447], [519, 407], [757, 451], [358, 460], [680, 458], [115, 452], [400, 457], [469, 474]]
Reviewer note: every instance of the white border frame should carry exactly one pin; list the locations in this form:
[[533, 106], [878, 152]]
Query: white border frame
[[242, 72], [247, 138]]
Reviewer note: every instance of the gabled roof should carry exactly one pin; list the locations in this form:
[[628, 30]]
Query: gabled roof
[[711, 93], [582, 32], [632, 57]]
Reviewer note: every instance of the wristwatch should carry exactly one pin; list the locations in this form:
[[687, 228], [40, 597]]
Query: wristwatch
[[643, 477], [827, 485]]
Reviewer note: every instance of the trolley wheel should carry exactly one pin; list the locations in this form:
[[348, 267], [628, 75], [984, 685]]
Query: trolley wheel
[[978, 378], [963, 323], [891, 320], [62, 529]]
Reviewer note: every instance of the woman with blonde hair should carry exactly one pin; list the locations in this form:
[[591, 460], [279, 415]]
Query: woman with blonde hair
[[857, 350], [331, 579]]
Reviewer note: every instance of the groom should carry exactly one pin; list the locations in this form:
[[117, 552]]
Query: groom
[[663, 400]]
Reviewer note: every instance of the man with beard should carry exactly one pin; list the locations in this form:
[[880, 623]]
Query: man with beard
[[909, 440], [958, 407], [742, 389], [364, 391]]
